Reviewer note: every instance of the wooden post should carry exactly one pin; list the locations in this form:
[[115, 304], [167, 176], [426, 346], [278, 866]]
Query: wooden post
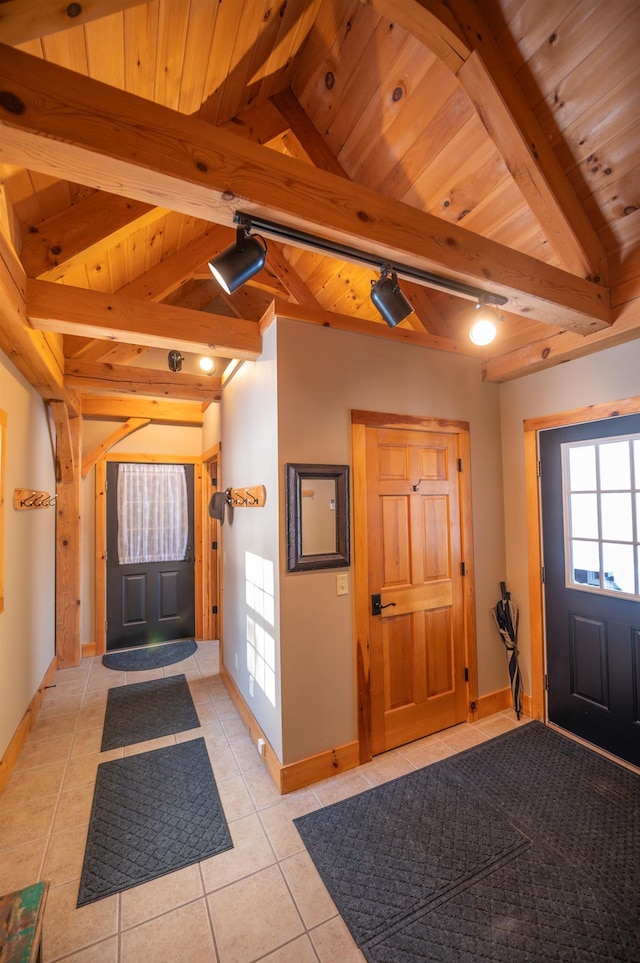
[[68, 537]]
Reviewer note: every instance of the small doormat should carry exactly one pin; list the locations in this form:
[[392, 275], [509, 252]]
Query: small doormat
[[147, 710], [152, 814], [524, 848], [150, 656]]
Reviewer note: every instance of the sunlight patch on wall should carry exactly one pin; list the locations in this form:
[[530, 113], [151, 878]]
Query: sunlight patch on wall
[[261, 647]]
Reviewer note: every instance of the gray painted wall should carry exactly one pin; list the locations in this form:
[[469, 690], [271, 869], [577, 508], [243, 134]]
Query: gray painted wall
[[27, 626], [319, 376]]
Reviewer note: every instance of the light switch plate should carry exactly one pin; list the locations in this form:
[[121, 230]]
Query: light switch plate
[[342, 584]]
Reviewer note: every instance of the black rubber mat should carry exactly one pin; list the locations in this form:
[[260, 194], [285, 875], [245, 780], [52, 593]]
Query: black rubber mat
[[150, 656], [526, 848], [152, 814], [148, 710]]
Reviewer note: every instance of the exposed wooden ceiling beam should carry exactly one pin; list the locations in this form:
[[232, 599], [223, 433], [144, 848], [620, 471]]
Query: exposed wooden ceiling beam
[[563, 346], [22, 20], [111, 317], [110, 353], [165, 277], [161, 412], [289, 277], [122, 431], [85, 230], [346, 322], [38, 357], [458, 35], [54, 120], [142, 381], [314, 146]]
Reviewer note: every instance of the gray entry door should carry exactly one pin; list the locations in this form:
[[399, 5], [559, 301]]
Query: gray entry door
[[149, 601], [591, 531]]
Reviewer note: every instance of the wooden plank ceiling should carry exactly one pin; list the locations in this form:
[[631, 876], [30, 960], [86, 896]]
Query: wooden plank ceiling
[[494, 144]]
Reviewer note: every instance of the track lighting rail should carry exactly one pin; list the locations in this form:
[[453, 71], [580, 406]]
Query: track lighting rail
[[295, 236]]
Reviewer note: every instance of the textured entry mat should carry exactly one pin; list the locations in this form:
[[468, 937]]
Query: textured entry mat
[[526, 848], [152, 814], [147, 710], [150, 656]]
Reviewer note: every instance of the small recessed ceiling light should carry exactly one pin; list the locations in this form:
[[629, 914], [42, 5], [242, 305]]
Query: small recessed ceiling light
[[207, 364]]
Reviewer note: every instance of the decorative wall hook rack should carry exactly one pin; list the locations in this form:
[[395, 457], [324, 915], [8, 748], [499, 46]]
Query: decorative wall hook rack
[[252, 497], [25, 498]]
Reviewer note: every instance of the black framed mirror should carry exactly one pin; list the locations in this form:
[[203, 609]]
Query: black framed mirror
[[317, 517]]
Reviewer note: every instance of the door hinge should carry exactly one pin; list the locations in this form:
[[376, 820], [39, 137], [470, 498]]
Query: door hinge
[[463, 568], [539, 469], [546, 682], [542, 574], [466, 673], [459, 464], [214, 609], [214, 546]]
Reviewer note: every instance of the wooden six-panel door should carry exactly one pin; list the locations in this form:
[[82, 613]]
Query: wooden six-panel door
[[417, 640]]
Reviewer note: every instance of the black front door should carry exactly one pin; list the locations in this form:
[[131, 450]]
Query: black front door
[[149, 601], [590, 489]]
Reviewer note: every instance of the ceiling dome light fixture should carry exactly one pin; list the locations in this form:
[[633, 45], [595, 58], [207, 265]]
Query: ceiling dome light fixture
[[206, 364], [388, 298], [237, 264], [483, 329]]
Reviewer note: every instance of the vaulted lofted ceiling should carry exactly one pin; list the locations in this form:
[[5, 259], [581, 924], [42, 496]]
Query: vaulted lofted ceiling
[[495, 144]]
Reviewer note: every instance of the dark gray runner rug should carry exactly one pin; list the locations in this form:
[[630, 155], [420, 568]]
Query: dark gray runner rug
[[526, 848], [147, 710], [152, 814], [150, 656]]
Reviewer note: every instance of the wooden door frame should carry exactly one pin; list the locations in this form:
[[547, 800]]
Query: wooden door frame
[[211, 528], [360, 420], [100, 580], [532, 427]]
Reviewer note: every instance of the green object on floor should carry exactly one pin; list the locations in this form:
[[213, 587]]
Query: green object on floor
[[21, 915]]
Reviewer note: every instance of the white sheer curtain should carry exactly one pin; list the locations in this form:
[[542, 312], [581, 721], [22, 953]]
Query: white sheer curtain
[[152, 513]]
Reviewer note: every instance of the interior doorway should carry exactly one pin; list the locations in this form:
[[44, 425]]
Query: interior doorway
[[416, 660]]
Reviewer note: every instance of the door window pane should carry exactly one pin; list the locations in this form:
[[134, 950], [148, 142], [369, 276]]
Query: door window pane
[[618, 565], [586, 563], [617, 521], [582, 461], [584, 516], [614, 466]]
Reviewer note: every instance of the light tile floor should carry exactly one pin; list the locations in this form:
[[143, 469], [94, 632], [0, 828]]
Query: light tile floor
[[261, 900]]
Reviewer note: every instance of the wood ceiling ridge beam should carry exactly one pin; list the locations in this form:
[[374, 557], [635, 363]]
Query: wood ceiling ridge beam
[[509, 121], [133, 145], [23, 20]]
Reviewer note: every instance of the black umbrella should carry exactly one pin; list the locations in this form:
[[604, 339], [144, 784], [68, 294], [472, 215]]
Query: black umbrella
[[506, 617]]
